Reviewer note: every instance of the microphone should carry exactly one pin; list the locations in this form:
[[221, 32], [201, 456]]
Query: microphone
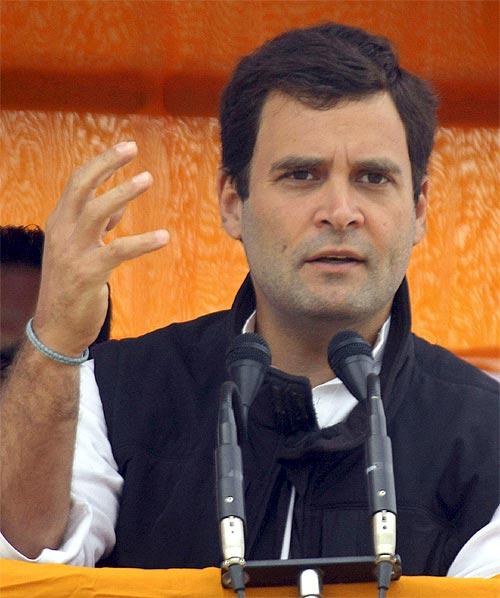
[[350, 357], [230, 492], [247, 361]]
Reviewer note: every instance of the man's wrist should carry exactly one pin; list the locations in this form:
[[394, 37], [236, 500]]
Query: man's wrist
[[51, 353]]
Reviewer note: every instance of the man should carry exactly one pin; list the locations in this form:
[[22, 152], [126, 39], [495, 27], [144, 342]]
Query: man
[[20, 271], [20, 267], [325, 142]]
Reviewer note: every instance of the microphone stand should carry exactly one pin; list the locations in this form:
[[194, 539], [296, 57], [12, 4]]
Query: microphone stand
[[381, 490], [230, 492], [307, 574]]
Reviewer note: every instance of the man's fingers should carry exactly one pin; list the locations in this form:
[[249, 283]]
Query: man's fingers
[[115, 219], [104, 212], [85, 180], [127, 248]]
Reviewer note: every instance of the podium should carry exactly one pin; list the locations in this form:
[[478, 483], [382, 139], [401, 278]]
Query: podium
[[26, 580]]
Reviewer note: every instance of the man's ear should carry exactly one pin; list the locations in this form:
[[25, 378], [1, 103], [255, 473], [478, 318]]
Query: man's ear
[[421, 212], [230, 204]]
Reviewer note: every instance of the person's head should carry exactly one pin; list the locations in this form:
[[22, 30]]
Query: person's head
[[325, 146], [321, 66], [21, 250], [22, 246]]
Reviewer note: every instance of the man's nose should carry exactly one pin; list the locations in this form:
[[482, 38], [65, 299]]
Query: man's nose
[[338, 207]]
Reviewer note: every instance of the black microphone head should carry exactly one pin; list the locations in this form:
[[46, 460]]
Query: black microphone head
[[344, 344], [248, 346], [350, 357], [247, 360]]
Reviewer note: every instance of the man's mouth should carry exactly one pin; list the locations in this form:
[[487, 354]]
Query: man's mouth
[[334, 259], [335, 256]]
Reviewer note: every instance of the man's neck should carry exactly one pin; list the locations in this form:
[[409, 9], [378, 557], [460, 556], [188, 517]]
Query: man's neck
[[300, 347]]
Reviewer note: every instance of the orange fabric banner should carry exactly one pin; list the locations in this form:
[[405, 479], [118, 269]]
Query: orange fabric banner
[[22, 580]]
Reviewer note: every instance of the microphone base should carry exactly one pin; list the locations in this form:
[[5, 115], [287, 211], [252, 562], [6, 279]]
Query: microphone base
[[271, 573]]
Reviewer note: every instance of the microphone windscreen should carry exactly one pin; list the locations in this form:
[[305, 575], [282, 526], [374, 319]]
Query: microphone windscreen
[[248, 346], [346, 344]]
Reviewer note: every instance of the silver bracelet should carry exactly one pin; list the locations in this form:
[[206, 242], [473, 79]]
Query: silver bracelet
[[54, 355]]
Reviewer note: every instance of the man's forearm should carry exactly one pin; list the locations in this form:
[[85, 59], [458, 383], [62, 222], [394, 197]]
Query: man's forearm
[[38, 417]]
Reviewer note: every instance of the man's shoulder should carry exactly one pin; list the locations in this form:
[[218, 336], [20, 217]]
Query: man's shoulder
[[194, 332], [444, 366]]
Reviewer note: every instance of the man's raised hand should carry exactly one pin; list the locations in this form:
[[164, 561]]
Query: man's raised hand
[[77, 263]]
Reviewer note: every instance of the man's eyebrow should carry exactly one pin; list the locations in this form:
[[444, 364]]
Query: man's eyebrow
[[296, 162], [299, 162], [380, 165]]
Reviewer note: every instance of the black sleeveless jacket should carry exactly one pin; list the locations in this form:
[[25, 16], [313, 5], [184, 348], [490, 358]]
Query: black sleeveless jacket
[[160, 394]]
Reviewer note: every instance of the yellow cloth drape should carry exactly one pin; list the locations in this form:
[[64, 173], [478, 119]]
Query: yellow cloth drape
[[25, 580]]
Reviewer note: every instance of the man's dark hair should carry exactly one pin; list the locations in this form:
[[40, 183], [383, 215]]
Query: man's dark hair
[[22, 245], [321, 66]]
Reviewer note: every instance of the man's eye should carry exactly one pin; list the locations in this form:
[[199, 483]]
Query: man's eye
[[299, 175], [374, 178]]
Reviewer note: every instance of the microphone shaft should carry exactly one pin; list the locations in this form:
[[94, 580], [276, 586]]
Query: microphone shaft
[[228, 459], [229, 475], [230, 499], [380, 474]]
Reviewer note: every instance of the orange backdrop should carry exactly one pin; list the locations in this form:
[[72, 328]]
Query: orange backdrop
[[79, 76]]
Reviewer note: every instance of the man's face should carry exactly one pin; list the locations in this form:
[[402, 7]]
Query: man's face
[[18, 294], [330, 221]]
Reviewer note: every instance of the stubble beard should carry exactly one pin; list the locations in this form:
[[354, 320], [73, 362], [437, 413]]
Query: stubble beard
[[295, 301]]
